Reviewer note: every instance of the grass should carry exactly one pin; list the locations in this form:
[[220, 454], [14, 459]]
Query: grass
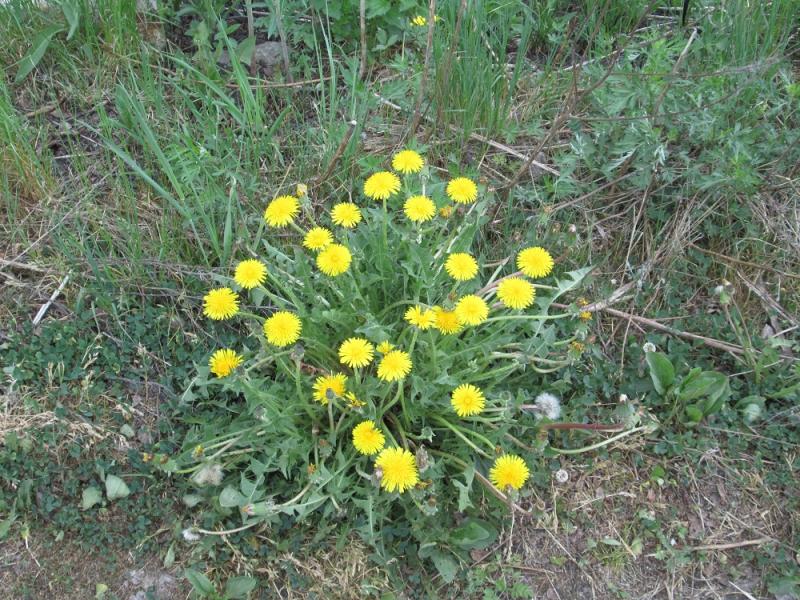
[[672, 158]]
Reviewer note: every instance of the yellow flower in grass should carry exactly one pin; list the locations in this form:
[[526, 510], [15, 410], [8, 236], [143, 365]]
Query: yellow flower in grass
[[334, 260], [385, 347], [223, 362], [471, 310], [461, 266], [422, 319], [282, 328], [467, 400], [509, 471], [407, 161], [419, 209], [356, 352], [346, 214], [250, 273], [382, 185], [585, 315], [317, 238], [367, 438], [446, 321], [220, 303], [462, 190], [446, 211], [535, 262], [394, 366], [333, 384], [353, 401], [398, 469], [419, 21], [515, 292], [281, 211]]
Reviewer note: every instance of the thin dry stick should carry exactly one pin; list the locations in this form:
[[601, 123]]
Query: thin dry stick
[[282, 35], [251, 33], [739, 261], [428, 51], [339, 152], [362, 18]]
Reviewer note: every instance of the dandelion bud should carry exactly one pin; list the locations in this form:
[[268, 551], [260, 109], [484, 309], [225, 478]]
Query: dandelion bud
[[249, 510], [146, 457], [562, 476], [649, 347], [298, 351], [311, 469], [377, 476], [198, 451], [302, 190], [422, 459]]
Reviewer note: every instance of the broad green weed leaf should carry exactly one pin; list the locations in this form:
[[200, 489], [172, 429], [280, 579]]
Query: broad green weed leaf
[[90, 497], [239, 587], [661, 371], [200, 582], [116, 488]]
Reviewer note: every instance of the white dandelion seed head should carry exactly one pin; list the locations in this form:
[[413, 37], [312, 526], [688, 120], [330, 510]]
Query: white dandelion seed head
[[190, 536], [623, 398], [562, 476], [649, 347], [210, 474], [548, 405]]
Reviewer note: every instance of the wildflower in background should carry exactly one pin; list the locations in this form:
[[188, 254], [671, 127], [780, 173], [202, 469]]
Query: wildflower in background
[[223, 362], [250, 273], [210, 474], [422, 319], [548, 405], [577, 347], [346, 214], [398, 469], [394, 366], [467, 400], [419, 209], [535, 262], [356, 352], [302, 190], [282, 328], [367, 438], [509, 471], [334, 260], [317, 238], [385, 347], [407, 161], [220, 303], [446, 211], [281, 211], [462, 190], [334, 383], [461, 266], [311, 469], [419, 21], [198, 451], [649, 347], [353, 401], [585, 315], [446, 321], [471, 310], [516, 292], [582, 302], [381, 185]]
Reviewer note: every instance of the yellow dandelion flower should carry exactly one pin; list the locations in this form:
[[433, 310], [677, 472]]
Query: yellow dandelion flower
[[509, 471], [407, 161], [419, 209], [582, 302], [283, 328], [535, 262], [334, 260], [353, 401], [446, 321], [317, 238], [577, 346], [281, 211], [419, 21], [385, 347], [467, 400], [346, 214], [461, 266], [381, 185], [223, 362], [250, 273], [446, 211], [515, 292], [394, 366], [471, 310], [422, 319], [356, 352], [367, 438], [220, 303], [462, 190], [398, 469], [585, 315], [326, 385]]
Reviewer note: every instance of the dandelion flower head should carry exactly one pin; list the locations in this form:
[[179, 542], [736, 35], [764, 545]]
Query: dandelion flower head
[[419, 209], [462, 190], [381, 185], [220, 303], [281, 211], [346, 214], [407, 161], [467, 400], [398, 469], [250, 273], [282, 328], [356, 352], [516, 292], [420, 318], [223, 362], [394, 366], [329, 384], [446, 321], [461, 266], [334, 260], [471, 310], [535, 262], [367, 438], [509, 470], [317, 238]]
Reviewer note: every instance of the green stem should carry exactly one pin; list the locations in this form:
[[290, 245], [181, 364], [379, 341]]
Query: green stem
[[525, 317], [600, 444], [464, 438]]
